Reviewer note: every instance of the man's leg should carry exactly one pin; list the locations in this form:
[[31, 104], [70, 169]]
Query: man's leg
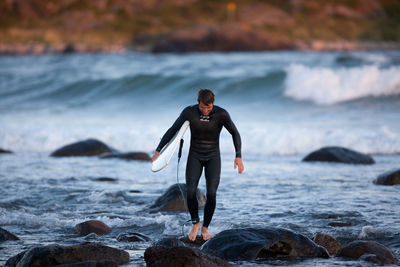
[[193, 173], [212, 173]]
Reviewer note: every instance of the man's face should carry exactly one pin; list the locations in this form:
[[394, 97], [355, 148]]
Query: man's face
[[206, 108]]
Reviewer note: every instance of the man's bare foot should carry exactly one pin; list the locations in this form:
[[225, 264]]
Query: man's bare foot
[[204, 232], [193, 233]]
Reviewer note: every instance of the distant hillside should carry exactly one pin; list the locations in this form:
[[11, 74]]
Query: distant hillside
[[40, 26]]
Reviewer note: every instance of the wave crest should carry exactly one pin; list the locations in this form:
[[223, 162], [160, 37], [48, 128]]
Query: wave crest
[[326, 86]]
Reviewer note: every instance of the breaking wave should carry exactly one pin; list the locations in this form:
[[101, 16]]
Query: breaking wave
[[327, 86]]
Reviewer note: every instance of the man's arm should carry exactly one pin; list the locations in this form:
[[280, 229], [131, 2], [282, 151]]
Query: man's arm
[[169, 134], [237, 142]]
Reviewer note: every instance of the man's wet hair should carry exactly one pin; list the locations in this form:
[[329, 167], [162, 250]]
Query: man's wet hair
[[205, 96]]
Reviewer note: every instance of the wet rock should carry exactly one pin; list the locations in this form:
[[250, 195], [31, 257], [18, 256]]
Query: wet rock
[[373, 251], [12, 262], [328, 242], [92, 226], [105, 179], [58, 255], [262, 243], [132, 237], [172, 199], [89, 147], [171, 252], [339, 154], [371, 258], [181, 256], [135, 191], [5, 151], [339, 224], [104, 263], [197, 243], [388, 178], [6, 235], [128, 156]]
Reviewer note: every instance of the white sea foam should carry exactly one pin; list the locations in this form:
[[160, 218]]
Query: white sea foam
[[327, 86], [172, 225], [24, 218], [257, 138], [370, 231], [58, 221], [297, 139]]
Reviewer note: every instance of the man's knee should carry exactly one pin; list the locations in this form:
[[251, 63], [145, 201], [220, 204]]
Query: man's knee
[[191, 192], [211, 194]]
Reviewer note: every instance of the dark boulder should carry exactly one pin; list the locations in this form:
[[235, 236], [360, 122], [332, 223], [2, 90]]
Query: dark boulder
[[89, 147], [262, 243], [339, 154], [57, 255], [172, 199], [169, 242], [388, 178], [132, 237], [127, 156], [196, 243], [5, 151], [328, 242], [6, 235], [105, 179], [371, 258], [135, 191], [181, 256], [12, 262], [92, 226], [103, 263], [370, 250], [171, 252]]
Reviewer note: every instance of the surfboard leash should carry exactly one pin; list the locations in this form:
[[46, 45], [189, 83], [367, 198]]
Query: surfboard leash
[[180, 189]]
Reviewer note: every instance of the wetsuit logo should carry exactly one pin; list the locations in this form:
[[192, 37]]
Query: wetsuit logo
[[205, 118]]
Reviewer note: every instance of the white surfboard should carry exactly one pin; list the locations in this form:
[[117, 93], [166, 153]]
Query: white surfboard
[[165, 155]]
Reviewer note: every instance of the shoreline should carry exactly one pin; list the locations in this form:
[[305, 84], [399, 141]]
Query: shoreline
[[38, 49], [345, 226]]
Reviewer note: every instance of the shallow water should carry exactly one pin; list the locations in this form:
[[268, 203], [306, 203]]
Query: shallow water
[[285, 105], [43, 198]]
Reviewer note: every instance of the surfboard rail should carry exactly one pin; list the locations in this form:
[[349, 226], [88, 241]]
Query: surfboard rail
[[166, 154]]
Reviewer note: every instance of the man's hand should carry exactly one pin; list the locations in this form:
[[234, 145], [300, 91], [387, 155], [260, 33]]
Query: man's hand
[[239, 164], [155, 156]]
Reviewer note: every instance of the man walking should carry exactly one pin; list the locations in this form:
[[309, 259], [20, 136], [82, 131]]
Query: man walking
[[206, 122]]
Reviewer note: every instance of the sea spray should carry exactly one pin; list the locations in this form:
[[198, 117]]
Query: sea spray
[[327, 86]]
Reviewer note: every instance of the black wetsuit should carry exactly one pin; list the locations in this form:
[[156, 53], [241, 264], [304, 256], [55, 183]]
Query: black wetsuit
[[204, 152]]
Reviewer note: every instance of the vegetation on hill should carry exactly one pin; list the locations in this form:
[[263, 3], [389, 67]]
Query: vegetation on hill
[[109, 25]]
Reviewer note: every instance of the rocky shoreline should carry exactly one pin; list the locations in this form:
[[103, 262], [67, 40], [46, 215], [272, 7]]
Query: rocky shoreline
[[61, 48], [31, 27], [186, 45], [250, 244], [224, 249]]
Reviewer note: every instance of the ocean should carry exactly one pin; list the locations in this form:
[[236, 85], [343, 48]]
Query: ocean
[[284, 104]]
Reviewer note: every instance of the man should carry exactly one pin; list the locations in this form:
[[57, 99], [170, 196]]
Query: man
[[206, 122]]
